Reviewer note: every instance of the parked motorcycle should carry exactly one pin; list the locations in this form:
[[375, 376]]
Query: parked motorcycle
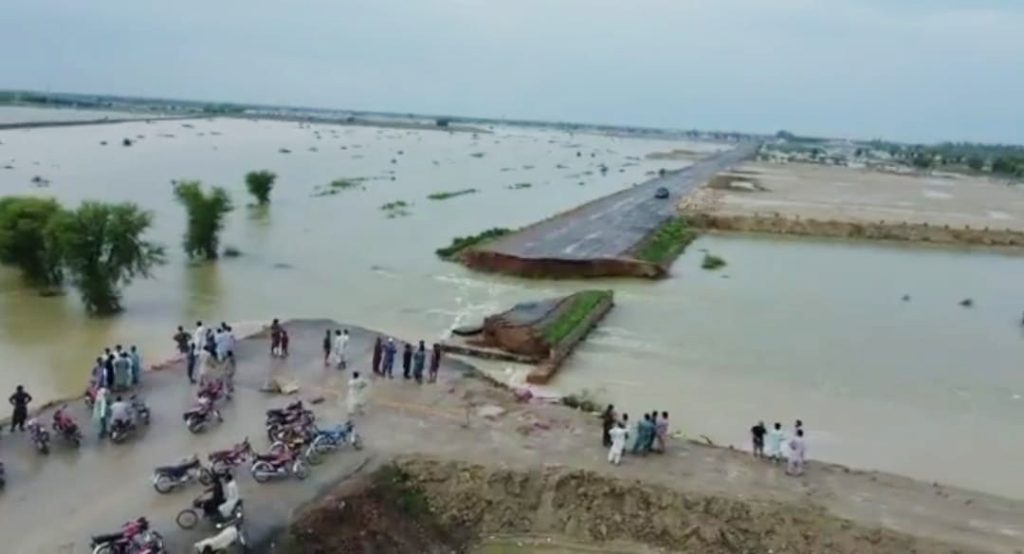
[[169, 478], [65, 426], [222, 543], [280, 422], [189, 517], [214, 391], [223, 460], [201, 416], [135, 537], [39, 436], [328, 440], [284, 464]]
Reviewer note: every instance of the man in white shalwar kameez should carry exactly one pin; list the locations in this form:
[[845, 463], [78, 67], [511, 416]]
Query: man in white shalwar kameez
[[340, 345], [797, 450], [618, 434], [356, 394]]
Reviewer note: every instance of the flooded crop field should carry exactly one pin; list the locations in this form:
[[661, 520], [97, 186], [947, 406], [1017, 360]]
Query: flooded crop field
[[788, 329]]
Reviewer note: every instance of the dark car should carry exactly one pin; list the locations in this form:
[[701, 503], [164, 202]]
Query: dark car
[[661, 193]]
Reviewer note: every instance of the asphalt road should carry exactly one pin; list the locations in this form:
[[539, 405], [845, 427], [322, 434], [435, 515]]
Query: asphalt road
[[610, 226]]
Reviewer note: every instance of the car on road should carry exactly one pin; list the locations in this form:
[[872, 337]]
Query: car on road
[[661, 193]]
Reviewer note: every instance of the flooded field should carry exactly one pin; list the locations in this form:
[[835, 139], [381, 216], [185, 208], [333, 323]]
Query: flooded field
[[815, 330]]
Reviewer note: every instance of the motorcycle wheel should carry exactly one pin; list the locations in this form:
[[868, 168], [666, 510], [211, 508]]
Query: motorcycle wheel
[[44, 449], [105, 548], [314, 456], [187, 518], [205, 477], [357, 441], [272, 432], [117, 438], [300, 470], [195, 426], [76, 441], [163, 484], [278, 448], [261, 472]]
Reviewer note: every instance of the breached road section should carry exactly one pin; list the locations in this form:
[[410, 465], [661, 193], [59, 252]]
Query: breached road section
[[544, 332], [601, 238]]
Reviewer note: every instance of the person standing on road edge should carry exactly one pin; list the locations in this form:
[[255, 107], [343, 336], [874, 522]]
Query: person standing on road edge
[[20, 400], [607, 423], [327, 348], [757, 433], [406, 360], [181, 339], [773, 448], [136, 359], [661, 431], [797, 450], [378, 350], [617, 438], [101, 411], [190, 361], [418, 360], [390, 350], [435, 362]]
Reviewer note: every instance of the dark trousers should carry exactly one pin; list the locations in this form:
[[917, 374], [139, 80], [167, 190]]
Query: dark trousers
[[18, 419], [191, 367]]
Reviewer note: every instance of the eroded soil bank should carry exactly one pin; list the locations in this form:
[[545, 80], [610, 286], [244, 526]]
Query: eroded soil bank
[[878, 230], [421, 504]]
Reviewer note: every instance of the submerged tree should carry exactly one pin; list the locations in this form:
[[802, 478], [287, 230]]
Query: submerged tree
[[259, 184], [24, 243], [206, 211], [102, 250]]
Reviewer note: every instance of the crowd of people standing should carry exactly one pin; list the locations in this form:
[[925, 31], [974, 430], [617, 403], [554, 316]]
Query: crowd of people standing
[[204, 346], [650, 436], [775, 445]]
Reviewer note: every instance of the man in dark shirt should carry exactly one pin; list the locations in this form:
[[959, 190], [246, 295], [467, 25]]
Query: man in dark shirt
[[19, 400], [181, 339], [757, 433]]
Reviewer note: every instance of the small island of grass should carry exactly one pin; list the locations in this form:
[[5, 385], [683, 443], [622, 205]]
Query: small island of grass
[[450, 194], [461, 243], [712, 262], [666, 242], [396, 209], [583, 304]]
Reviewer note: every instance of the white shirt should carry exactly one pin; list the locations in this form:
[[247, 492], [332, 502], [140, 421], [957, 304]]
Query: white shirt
[[618, 435], [120, 411], [340, 343], [199, 337]]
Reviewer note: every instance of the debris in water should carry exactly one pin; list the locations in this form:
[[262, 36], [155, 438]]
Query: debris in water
[[967, 302]]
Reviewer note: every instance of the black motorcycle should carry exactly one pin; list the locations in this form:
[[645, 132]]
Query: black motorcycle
[[40, 436], [168, 478]]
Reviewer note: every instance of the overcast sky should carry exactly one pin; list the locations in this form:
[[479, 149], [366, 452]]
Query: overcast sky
[[923, 70]]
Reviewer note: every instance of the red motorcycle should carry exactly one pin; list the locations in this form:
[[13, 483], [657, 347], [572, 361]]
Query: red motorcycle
[[223, 460], [214, 391], [134, 537], [281, 464], [65, 426]]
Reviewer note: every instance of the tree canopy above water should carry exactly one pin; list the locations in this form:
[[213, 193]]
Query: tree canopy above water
[[260, 184], [101, 247], [23, 239], [206, 211]]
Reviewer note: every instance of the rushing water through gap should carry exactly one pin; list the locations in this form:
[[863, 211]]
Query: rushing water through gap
[[789, 329]]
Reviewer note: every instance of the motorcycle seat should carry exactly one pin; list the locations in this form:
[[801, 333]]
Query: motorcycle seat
[[109, 537], [178, 470]]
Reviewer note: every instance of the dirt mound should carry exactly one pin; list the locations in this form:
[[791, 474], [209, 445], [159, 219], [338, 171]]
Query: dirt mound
[[378, 516], [426, 505]]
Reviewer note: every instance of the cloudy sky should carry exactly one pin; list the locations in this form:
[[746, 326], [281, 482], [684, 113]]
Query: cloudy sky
[[920, 70]]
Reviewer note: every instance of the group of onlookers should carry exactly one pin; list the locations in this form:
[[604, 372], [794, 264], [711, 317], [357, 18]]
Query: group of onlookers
[[650, 436], [413, 361], [775, 445], [205, 345]]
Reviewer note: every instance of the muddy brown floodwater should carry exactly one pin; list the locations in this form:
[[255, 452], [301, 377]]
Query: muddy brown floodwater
[[799, 329]]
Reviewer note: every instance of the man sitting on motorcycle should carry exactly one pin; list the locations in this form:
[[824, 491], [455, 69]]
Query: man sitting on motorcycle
[[211, 505], [231, 497], [120, 412]]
